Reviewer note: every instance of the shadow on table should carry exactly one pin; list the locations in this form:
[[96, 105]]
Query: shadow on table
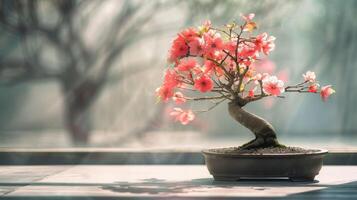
[[163, 190], [155, 186]]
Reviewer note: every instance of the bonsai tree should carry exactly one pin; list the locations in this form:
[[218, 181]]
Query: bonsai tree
[[216, 64]]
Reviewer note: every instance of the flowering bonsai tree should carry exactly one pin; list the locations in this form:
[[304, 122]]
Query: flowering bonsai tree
[[217, 64]]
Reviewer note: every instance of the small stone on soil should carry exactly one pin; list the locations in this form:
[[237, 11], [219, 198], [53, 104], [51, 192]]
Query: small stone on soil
[[261, 151]]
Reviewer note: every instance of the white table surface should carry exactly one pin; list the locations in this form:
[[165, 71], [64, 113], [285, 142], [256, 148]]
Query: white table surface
[[163, 182]]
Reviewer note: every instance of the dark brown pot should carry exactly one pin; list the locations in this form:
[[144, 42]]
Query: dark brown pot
[[296, 166]]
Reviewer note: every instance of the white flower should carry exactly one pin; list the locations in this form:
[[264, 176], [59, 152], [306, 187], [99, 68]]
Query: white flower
[[309, 76]]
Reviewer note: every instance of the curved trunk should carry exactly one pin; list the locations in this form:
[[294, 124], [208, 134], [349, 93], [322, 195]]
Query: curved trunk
[[264, 132]]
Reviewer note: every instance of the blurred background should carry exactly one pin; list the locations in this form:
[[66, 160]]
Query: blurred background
[[83, 73]]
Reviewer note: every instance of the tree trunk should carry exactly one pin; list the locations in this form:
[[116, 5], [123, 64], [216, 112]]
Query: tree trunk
[[78, 123], [78, 100], [264, 132]]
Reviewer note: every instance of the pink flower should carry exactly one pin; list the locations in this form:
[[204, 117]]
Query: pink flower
[[179, 98], [213, 43], [259, 77], [178, 49], [231, 46], [248, 51], [309, 76], [251, 92], [189, 34], [269, 46], [248, 17], [273, 86], [164, 92], [260, 40], [171, 79], [264, 43], [204, 84], [313, 88], [183, 116], [210, 68], [196, 47], [326, 91], [186, 65]]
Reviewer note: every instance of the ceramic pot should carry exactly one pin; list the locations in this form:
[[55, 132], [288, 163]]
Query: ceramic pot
[[295, 166]]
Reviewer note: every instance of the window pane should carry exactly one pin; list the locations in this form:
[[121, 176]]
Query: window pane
[[85, 73]]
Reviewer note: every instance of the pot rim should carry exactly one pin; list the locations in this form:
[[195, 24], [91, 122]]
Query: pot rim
[[208, 152]]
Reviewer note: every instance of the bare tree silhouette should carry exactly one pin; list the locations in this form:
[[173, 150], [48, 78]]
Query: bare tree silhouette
[[49, 43], [81, 69]]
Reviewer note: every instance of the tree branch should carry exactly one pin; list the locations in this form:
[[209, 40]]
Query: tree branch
[[208, 98], [210, 108]]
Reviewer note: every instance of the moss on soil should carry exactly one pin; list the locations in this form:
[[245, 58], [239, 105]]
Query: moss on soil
[[262, 151]]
